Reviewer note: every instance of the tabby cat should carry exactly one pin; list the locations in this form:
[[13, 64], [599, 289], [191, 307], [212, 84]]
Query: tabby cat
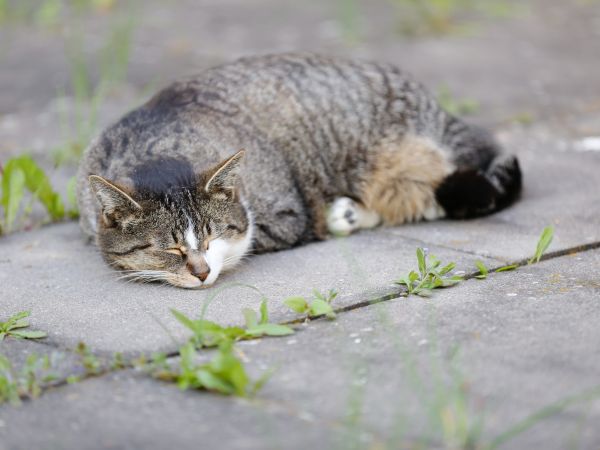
[[330, 146]]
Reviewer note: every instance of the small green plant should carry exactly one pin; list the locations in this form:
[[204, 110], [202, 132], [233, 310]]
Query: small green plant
[[73, 211], [507, 268], [348, 17], [522, 118], [543, 243], [14, 327], [257, 326], [483, 271], [91, 364], [430, 276], [26, 382], [49, 13], [211, 334], [114, 62], [20, 174], [440, 17], [225, 373], [456, 106], [320, 305]]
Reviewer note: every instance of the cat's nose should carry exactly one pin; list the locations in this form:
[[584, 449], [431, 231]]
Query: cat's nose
[[199, 271], [204, 275]]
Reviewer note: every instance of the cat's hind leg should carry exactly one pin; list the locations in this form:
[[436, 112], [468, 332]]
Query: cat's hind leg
[[472, 192], [346, 216], [404, 174]]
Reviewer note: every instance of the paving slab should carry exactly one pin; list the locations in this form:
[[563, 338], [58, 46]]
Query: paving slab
[[509, 64], [126, 410], [525, 339], [561, 188], [74, 296]]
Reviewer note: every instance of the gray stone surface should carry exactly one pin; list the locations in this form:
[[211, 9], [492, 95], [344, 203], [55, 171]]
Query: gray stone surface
[[129, 411], [74, 296], [532, 62], [525, 340]]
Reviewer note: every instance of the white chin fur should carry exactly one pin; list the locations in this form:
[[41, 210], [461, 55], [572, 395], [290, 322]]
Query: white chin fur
[[222, 254]]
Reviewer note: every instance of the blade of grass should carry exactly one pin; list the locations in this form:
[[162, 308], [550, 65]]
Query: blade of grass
[[541, 414], [543, 244]]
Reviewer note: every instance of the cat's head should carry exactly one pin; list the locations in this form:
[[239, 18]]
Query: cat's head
[[174, 225]]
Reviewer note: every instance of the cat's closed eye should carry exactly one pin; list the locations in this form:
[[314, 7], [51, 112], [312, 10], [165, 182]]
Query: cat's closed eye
[[175, 251]]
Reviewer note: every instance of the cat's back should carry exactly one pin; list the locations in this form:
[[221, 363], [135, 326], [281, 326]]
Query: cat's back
[[296, 108], [318, 100]]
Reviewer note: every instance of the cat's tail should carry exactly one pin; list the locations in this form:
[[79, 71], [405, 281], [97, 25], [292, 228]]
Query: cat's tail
[[469, 192]]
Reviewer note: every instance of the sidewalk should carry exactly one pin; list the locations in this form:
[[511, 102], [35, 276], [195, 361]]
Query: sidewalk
[[391, 371]]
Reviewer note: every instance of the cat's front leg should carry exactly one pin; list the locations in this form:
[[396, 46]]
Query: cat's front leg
[[346, 216]]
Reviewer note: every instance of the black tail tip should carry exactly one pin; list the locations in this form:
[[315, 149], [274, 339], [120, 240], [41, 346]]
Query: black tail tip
[[470, 193]]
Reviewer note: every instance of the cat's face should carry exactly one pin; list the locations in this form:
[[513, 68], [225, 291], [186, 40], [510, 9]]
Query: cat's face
[[185, 236]]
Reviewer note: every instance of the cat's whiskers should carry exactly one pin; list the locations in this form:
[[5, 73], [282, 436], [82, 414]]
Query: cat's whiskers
[[145, 276]]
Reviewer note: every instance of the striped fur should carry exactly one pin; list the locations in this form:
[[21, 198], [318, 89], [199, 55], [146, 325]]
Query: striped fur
[[315, 128]]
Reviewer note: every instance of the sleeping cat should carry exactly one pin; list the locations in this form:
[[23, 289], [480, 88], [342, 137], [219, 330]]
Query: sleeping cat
[[331, 146]]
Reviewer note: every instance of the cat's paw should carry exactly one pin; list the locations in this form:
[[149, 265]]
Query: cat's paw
[[434, 212], [342, 216], [345, 216]]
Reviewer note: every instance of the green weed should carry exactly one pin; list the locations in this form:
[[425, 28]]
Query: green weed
[[430, 276], [320, 305], [224, 373], [349, 19], [15, 325], [73, 210], [440, 17], [507, 268], [211, 334], [483, 271], [456, 106], [522, 118], [48, 13], [114, 62], [26, 382], [543, 243], [22, 174]]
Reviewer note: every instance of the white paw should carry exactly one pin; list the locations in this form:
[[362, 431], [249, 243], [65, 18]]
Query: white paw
[[433, 212], [342, 217]]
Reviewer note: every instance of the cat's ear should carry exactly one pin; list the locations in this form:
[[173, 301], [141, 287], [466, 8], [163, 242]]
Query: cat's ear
[[116, 204], [223, 179]]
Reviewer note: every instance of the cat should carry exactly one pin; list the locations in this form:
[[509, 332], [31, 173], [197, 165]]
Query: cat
[[330, 146]]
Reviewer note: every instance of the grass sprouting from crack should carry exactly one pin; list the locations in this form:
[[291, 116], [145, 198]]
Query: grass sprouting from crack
[[543, 243], [483, 271], [25, 382], [224, 373], [15, 327], [20, 175], [211, 334], [320, 305], [429, 276]]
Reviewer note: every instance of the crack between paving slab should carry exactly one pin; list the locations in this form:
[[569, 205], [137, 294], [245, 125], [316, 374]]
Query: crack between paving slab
[[447, 247], [401, 292]]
